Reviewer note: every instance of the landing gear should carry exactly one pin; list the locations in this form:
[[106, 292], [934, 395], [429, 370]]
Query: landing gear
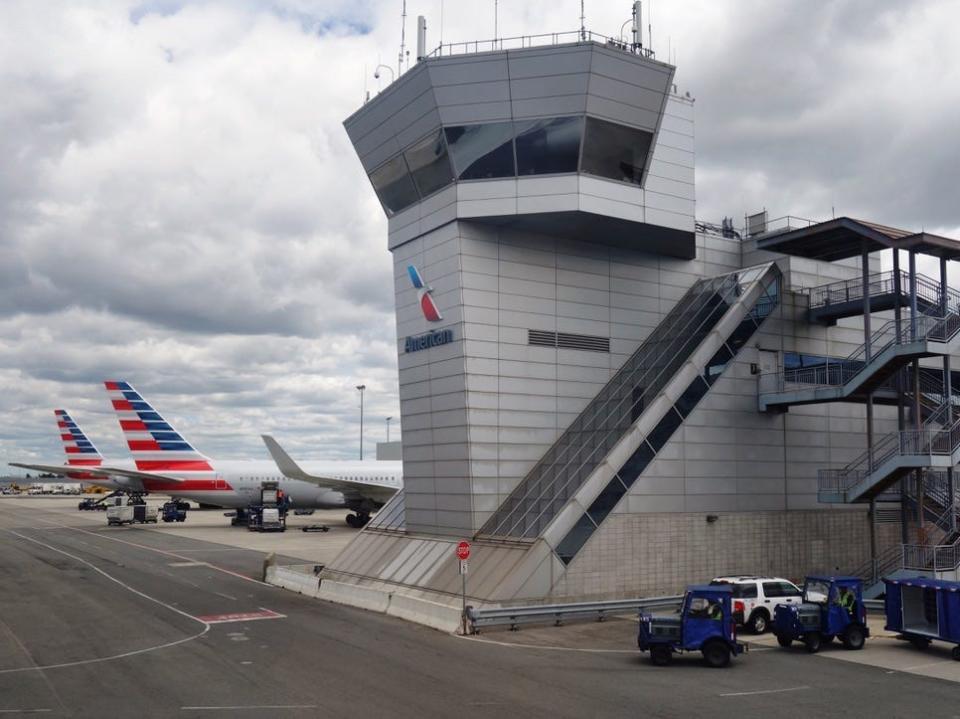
[[358, 520]]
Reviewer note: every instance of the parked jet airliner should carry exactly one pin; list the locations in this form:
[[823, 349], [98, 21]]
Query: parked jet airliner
[[165, 462]]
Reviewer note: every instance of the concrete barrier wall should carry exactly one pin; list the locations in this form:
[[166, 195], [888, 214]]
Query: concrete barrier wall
[[386, 599]]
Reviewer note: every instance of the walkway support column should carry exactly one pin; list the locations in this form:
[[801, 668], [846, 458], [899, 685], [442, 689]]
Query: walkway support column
[[867, 336], [947, 386]]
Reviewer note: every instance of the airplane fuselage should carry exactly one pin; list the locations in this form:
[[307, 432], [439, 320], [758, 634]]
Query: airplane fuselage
[[236, 484]]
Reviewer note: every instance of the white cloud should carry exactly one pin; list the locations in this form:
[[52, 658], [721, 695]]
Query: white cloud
[[180, 206]]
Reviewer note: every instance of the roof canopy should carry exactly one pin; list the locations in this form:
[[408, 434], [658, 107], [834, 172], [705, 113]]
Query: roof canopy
[[845, 237]]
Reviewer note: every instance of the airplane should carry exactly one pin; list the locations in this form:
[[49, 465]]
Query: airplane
[[165, 462]]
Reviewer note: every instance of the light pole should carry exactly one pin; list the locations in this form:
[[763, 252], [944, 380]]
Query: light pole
[[361, 387], [388, 428]]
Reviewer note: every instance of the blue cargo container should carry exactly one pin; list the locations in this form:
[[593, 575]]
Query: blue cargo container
[[923, 609]]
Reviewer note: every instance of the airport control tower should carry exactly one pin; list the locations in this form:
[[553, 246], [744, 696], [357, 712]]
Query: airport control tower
[[580, 359]]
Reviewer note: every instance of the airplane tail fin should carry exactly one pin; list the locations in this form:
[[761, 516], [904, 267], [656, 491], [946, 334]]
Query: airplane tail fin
[[155, 445], [79, 450]]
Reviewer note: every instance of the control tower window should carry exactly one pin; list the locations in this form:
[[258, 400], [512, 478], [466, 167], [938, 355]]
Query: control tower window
[[615, 151], [548, 146], [394, 185], [429, 164], [482, 151]]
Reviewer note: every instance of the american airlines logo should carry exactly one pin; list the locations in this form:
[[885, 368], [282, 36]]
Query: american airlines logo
[[424, 294]]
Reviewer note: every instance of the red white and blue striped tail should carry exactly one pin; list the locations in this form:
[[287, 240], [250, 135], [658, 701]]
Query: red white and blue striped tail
[[155, 445], [80, 450]]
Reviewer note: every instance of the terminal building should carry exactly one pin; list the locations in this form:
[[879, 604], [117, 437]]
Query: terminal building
[[610, 398]]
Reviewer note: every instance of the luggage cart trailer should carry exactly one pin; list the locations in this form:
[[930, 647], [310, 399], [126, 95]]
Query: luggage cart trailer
[[922, 609]]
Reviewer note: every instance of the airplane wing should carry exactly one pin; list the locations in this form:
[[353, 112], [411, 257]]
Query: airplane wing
[[100, 472], [351, 489]]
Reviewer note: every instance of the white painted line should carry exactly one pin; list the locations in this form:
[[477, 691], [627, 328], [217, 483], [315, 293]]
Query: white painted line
[[241, 708], [98, 660], [764, 691], [928, 664], [186, 564], [153, 549], [24, 711]]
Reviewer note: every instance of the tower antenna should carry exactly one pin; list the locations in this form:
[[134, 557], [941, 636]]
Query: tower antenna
[[583, 21], [496, 18], [403, 38], [650, 27]]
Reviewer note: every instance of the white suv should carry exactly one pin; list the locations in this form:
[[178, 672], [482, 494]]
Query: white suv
[[754, 599]]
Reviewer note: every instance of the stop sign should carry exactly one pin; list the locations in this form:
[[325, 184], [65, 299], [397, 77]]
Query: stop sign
[[463, 550]]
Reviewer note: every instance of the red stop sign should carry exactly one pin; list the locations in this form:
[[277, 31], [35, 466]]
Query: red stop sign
[[463, 550]]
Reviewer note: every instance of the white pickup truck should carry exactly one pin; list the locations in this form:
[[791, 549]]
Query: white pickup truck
[[125, 511]]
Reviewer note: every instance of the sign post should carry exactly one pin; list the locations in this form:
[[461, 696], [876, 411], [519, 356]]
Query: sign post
[[463, 554]]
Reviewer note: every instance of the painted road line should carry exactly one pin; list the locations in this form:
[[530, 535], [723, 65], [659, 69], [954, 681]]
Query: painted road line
[[765, 691], [135, 652], [240, 617]]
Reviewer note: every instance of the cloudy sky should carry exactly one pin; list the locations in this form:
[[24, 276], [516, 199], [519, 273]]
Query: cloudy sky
[[180, 206]]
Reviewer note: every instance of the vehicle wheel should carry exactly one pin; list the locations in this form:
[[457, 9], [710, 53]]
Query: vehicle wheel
[[716, 654], [956, 653], [660, 655], [920, 642], [813, 640], [784, 641], [352, 521], [854, 637], [759, 622]]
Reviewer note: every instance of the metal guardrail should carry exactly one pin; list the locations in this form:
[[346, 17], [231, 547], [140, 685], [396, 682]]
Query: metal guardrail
[[558, 613], [520, 42]]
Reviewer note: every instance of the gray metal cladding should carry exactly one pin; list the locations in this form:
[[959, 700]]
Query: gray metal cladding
[[511, 84]]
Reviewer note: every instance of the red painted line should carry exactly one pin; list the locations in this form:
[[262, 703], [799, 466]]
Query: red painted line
[[240, 617]]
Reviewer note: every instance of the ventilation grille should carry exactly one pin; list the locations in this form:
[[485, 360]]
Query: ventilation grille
[[569, 341], [888, 516]]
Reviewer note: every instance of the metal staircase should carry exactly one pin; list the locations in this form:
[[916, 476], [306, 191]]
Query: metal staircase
[[872, 366]]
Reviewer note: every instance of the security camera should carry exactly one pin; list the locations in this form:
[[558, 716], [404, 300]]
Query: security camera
[[376, 75]]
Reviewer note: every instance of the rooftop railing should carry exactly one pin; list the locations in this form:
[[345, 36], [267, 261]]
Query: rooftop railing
[[521, 42]]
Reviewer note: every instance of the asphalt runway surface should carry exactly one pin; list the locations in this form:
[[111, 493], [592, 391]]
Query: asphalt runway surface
[[127, 622]]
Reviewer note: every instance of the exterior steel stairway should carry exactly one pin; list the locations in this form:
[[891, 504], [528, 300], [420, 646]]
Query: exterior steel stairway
[[894, 345]]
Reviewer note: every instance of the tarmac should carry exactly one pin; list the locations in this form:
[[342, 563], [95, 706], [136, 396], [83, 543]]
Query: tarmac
[[172, 621]]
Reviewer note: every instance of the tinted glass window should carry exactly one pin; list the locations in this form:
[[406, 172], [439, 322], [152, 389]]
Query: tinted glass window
[[615, 151], [548, 146], [772, 589], [482, 151], [604, 504], [575, 539], [788, 590], [429, 164], [748, 591], [394, 186]]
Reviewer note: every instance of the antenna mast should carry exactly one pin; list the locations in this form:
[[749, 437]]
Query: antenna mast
[[495, 19], [583, 21], [403, 38]]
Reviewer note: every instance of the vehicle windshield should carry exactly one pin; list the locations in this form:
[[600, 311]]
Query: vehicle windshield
[[816, 591]]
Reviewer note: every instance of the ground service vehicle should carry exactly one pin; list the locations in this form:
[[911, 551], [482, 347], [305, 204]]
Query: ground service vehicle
[[270, 514], [89, 503], [703, 624], [174, 511], [922, 609], [130, 510], [832, 607], [754, 599]]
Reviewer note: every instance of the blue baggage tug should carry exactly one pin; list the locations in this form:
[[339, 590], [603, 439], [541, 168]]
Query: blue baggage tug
[[922, 609], [704, 624], [831, 607]]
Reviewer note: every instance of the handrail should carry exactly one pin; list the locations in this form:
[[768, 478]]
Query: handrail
[[519, 42], [557, 613], [879, 283]]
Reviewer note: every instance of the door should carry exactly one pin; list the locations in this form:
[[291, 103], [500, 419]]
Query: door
[[769, 368]]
